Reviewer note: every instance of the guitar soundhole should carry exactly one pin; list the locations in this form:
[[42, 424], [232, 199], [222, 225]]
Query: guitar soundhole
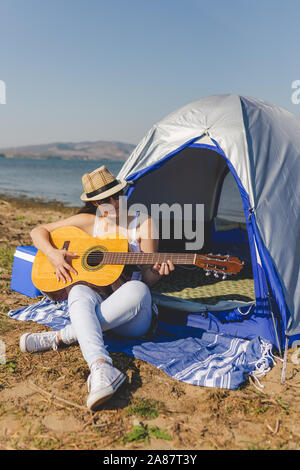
[[94, 258]]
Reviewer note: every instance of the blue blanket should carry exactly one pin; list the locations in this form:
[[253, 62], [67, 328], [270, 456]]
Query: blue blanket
[[187, 353]]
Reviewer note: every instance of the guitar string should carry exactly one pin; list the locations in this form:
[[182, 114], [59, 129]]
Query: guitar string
[[124, 261], [128, 257], [159, 253], [217, 258], [118, 258]]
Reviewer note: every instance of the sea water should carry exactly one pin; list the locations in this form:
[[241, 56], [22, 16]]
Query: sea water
[[51, 179], [60, 180]]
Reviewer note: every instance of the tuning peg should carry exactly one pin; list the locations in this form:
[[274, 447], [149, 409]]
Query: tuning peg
[[207, 272], [216, 275], [224, 276]]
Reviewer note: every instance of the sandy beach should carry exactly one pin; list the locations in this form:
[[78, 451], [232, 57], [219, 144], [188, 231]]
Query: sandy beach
[[43, 396]]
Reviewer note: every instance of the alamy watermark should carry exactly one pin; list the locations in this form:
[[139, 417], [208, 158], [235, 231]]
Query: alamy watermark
[[174, 221], [296, 94], [2, 92]]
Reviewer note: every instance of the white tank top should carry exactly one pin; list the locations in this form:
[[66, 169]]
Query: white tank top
[[134, 244]]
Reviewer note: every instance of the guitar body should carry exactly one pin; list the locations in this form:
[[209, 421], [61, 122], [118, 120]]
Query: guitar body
[[88, 264], [100, 261]]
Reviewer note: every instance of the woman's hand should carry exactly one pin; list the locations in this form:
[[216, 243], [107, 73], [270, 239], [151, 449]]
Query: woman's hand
[[41, 236], [163, 269], [61, 266], [152, 274]]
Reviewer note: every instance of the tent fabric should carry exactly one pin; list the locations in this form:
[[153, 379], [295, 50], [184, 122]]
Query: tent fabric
[[230, 206], [261, 145]]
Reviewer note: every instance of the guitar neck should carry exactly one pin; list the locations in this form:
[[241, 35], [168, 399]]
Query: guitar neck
[[148, 258]]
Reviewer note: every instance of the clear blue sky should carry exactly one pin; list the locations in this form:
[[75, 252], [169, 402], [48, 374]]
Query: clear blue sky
[[109, 69]]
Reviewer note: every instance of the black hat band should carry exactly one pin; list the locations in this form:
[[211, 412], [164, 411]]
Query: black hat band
[[104, 188]]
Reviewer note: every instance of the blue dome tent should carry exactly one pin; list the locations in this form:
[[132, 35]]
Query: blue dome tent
[[188, 155]]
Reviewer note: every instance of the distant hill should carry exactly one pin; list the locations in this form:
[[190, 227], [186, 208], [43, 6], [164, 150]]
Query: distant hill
[[99, 150]]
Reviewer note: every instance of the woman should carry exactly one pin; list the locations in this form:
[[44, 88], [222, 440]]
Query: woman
[[125, 307]]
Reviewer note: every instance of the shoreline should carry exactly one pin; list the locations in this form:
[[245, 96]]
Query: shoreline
[[27, 201], [44, 182]]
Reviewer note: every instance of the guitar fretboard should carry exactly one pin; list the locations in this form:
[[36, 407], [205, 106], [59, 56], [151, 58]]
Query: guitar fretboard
[[147, 258]]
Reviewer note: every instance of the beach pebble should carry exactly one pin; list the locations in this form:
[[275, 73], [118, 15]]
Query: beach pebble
[[296, 357]]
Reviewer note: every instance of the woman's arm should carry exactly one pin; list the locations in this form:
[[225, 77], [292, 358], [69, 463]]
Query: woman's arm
[[41, 238], [152, 274]]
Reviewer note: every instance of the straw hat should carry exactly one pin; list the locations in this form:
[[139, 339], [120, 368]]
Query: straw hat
[[100, 184]]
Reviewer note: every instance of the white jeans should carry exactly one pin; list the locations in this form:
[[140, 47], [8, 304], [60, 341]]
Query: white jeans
[[128, 312]]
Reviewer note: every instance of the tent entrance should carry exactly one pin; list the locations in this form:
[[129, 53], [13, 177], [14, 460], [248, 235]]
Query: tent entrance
[[195, 175], [190, 177], [199, 174]]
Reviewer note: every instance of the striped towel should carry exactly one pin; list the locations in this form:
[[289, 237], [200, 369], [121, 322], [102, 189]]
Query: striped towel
[[188, 354]]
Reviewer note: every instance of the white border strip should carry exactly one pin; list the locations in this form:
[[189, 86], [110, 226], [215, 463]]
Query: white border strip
[[25, 256]]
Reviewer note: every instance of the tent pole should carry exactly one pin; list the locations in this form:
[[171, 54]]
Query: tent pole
[[284, 360], [277, 339], [274, 323]]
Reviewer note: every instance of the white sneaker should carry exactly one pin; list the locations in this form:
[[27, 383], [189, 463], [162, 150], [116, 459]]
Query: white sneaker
[[103, 382], [35, 342]]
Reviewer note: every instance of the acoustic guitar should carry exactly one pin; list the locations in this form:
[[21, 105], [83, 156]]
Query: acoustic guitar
[[101, 261]]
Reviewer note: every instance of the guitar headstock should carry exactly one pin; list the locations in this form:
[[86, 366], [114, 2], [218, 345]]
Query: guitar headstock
[[223, 264]]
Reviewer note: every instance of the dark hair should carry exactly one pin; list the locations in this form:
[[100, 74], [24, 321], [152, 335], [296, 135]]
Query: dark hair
[[113, 196], [88, 208]]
